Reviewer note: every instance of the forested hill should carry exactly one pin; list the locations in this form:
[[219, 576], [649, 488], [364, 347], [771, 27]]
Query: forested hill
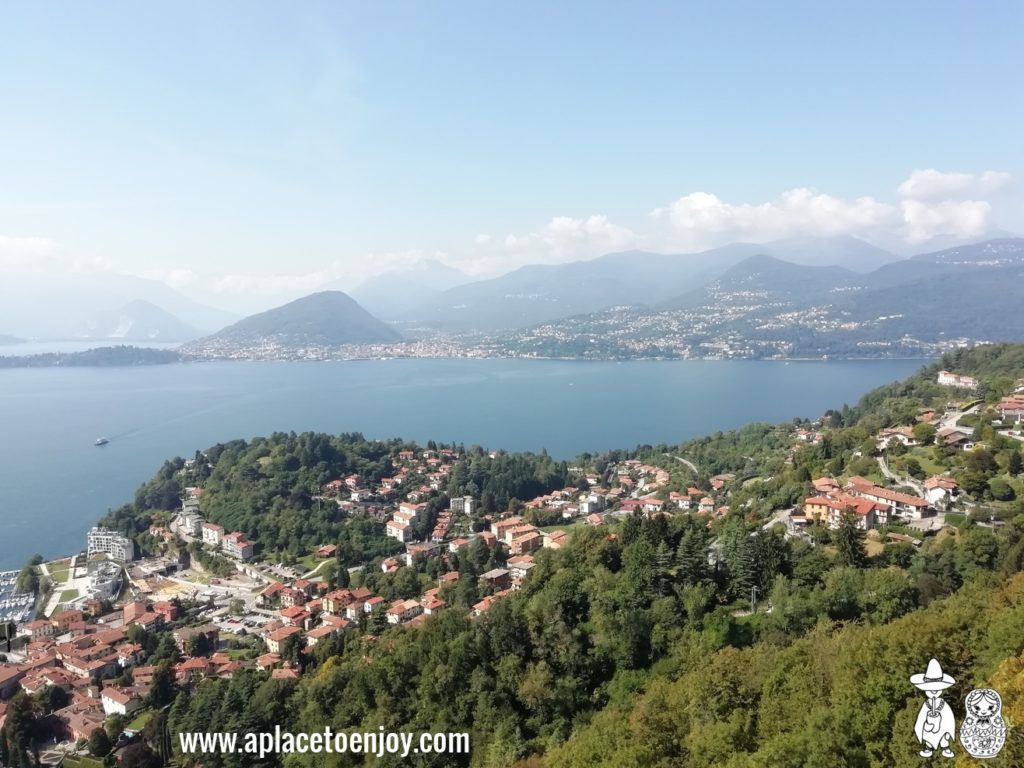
[[634, 644], [100, 357]]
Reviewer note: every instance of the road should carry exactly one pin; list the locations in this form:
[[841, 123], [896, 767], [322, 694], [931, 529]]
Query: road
[[952, 418], [906, 480], [782, 516], [687, 462]]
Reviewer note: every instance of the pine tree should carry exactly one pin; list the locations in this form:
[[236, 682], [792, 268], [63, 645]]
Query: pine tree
[[1016, 463], [692, 558], [5, 750], [850, 543], [663, 564], [743, 568]]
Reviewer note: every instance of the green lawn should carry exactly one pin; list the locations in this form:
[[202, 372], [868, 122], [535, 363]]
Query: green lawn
[[927, 461], [68, 595], [140, 721], [309, 562], [82, 762], [59, 570]]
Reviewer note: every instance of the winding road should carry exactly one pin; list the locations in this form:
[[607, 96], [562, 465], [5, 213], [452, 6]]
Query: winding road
[[907, 480], [687, 462]]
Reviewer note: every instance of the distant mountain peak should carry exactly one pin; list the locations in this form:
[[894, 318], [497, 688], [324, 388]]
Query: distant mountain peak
[[846, 251], [138, 320], [326, 318]]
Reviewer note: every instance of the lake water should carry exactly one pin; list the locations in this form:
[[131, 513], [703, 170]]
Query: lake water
[[54, 483]]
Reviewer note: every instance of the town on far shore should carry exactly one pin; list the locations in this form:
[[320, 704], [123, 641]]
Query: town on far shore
[[112, 628]]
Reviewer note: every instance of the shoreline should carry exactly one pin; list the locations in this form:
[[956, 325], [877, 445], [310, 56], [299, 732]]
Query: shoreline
[[41, 361]]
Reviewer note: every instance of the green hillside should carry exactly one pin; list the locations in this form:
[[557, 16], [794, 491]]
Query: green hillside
[[634, 644]]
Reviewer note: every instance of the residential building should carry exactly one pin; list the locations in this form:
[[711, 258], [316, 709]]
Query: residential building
[[948, 379], [121, 701], [212, 534], [114, 545], [899, 504], [497, 579], [237, 545], [463, 505], [402, 611], [398, 530], [940, 489], [277, 638]]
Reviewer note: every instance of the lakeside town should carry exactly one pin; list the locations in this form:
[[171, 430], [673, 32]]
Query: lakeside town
[[112, 627]]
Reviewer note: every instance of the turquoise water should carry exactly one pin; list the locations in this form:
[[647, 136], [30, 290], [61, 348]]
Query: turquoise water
[[54, 483]]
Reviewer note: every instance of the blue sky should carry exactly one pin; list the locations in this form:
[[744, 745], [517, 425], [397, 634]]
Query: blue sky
[[233, 147]]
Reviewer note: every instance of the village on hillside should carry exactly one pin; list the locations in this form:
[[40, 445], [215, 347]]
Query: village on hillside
[[112, 630]]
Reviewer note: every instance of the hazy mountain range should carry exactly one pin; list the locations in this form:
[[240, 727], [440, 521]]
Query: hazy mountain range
[[390, 294], [541, 293], [102, 305], [856, 282], [764, 306]]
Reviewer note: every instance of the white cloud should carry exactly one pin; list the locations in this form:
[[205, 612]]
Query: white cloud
[[26, 251], [26, 244], [702, 219], [930, 184], [932, 203], [959, 218]]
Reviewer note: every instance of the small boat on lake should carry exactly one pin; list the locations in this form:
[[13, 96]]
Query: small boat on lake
[[101, 441]]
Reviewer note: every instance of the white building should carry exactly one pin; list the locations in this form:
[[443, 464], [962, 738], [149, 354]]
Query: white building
[[114, 545], [119, 702], [212, 534], [592, 504], [948, 379], [396, 529], [464, 504]]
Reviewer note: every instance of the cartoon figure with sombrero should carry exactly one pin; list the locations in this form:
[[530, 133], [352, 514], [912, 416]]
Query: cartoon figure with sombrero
[[935, 723]]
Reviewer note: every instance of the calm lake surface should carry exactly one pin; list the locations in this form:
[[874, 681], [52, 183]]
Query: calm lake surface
[[54, 483]]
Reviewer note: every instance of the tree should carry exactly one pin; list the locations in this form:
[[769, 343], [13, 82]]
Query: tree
[[52, 698], [161, 690], [139, 756], [692, 557], [343, 578], [975, 483], [20, 726], [28, 577], [1001, 490], [1015, 464], [115, 726], [850, 543], [167, 650], [99, 743], [924, 433]]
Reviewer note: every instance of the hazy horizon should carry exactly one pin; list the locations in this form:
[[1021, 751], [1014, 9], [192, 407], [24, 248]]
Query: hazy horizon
[[246, 155]]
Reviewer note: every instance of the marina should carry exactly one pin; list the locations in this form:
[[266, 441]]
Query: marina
[[14, 606]]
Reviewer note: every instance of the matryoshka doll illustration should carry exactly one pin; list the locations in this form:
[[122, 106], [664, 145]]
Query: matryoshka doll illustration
[[983, 732]]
